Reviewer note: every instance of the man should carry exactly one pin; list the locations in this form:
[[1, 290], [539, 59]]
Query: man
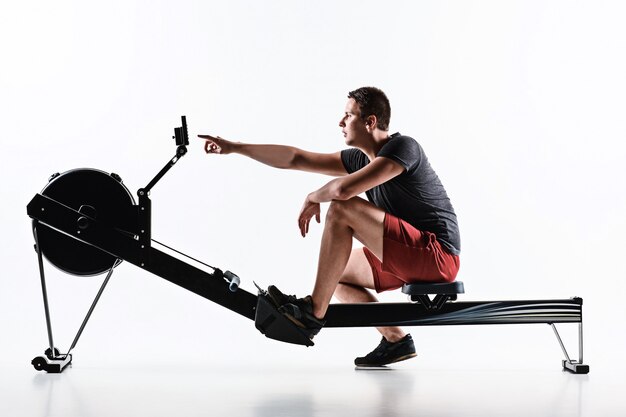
[[408, 227]]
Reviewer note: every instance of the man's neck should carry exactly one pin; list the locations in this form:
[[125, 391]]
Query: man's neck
[[378, 140]]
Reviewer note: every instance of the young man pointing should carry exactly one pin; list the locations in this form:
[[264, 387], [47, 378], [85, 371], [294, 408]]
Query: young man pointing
[[407, 226]]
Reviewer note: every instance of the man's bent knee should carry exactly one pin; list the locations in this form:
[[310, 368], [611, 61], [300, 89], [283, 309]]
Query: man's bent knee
[[337, 210], [341, 209]]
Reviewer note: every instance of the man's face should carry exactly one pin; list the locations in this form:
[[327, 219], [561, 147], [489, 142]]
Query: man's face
[[352, 126]]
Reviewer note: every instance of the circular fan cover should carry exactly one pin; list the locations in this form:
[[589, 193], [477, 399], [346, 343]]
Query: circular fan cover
[[112, 204]]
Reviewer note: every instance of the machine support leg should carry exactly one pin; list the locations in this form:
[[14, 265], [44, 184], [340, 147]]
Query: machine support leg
[[576, 367], [93, 306], [52, 361], [43, 290], [558, 337], [580, 342]]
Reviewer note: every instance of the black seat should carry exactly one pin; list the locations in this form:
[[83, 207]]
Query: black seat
[[443, 292], [455, 287]]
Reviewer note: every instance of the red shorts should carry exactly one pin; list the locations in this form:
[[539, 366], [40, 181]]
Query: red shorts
[[410, 255]]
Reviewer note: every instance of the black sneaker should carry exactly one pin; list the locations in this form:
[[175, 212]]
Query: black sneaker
[[278, 298], [388, 352], [300, 312]]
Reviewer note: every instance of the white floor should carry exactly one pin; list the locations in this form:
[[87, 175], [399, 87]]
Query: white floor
[[231, 390]]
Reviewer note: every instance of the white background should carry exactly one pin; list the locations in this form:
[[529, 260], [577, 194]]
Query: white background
[[519, 105]]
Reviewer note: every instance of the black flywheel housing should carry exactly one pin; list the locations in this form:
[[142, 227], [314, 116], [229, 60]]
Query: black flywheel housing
[[99, 195]]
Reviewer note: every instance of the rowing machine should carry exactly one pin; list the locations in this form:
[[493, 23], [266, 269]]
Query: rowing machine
[[86, 222]]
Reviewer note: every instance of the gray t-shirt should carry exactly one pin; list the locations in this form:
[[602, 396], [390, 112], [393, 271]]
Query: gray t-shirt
[[417, 195]]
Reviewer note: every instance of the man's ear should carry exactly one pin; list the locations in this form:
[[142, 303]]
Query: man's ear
[[371, 122]]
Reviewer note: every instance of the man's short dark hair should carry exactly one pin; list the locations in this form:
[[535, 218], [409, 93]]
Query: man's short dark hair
[[372, 100]]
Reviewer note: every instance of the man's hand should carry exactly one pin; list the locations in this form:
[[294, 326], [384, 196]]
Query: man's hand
[[215, 144], [309, 209]]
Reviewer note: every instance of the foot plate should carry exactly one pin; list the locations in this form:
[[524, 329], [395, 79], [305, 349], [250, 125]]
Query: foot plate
[[276, 325]]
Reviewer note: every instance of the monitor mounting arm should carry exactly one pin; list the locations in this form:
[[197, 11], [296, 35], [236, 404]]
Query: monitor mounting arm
[[181, 136]]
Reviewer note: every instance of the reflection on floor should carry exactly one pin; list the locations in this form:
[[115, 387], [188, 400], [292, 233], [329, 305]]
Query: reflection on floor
[[308, 391]]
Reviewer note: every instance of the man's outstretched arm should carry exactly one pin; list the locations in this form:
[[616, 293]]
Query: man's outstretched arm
[[279, 156]]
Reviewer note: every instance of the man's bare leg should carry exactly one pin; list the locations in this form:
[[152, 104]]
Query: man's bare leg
[[344, 220], [352, 288]]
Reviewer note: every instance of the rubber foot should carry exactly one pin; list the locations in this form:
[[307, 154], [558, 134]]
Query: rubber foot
[[54, 365], [575, 367]]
